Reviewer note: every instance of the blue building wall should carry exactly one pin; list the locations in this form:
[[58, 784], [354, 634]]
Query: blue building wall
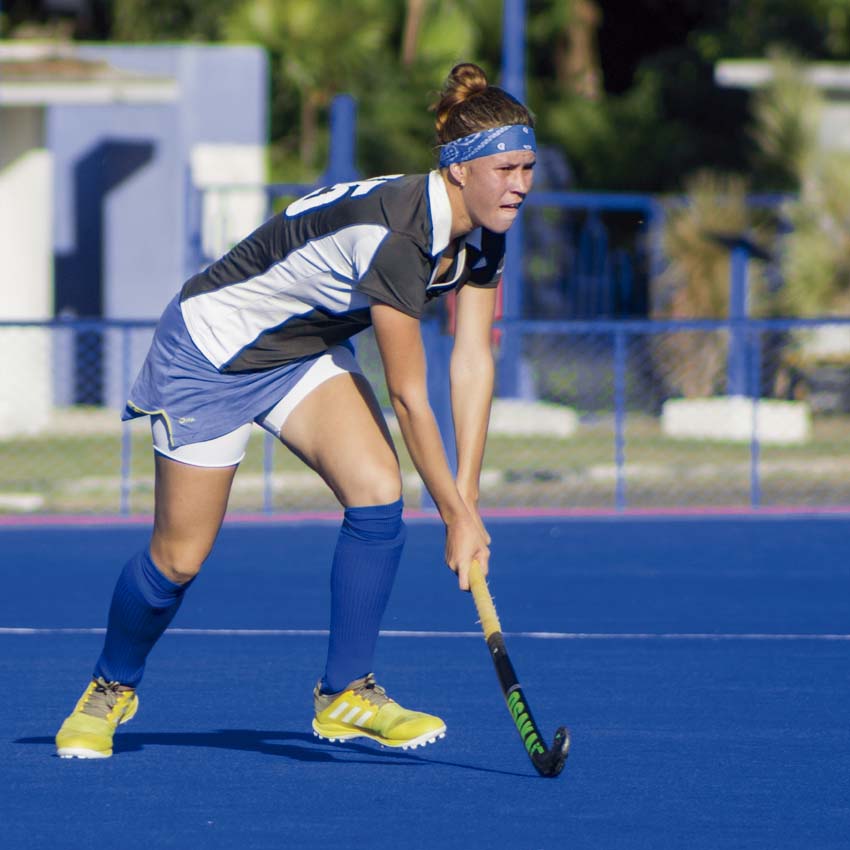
[[122, 246]]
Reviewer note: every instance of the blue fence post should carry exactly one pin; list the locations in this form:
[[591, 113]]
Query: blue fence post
[[742, 250], [620, 498], [592, 269], [343, 141], [656, 258], [736, 374], [755, 346], [511, 381], [126, 436], [268, 468], [513, 48]]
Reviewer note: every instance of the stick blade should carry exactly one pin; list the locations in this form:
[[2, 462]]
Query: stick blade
[[551, 763]]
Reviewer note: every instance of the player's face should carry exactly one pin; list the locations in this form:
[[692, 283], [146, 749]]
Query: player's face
[[495, 187]]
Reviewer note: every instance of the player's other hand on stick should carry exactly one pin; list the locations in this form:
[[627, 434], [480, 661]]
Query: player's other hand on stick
[[466, 542]]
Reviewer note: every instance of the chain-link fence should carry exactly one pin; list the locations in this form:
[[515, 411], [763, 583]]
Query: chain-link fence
[[623, 415]]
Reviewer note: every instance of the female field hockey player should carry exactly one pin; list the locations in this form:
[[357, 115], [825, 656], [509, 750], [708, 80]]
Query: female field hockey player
[[262, 335]]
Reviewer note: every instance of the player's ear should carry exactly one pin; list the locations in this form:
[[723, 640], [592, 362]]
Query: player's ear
[[458, 172]]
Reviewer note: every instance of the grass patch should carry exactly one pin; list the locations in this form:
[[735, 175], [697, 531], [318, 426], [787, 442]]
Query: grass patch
[[81, 472]]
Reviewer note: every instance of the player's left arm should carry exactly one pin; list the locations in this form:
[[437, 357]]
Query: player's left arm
[[472, 374]]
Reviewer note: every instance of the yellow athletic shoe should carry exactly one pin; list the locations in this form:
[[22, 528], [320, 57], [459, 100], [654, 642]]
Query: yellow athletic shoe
[[87, 732], [363, 710]]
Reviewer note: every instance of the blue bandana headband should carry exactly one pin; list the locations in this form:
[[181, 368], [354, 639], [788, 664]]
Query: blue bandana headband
[[512, 137]]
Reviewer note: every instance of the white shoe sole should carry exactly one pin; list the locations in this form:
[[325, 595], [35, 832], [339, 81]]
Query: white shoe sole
[[80, 753], [421, 741]]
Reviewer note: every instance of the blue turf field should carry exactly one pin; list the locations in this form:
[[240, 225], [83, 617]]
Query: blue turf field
[[702, 666]]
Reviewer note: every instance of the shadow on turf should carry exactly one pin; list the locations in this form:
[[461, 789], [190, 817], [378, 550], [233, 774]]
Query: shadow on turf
[[298, 746]]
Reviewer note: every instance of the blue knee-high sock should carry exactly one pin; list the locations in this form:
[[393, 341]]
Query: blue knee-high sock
[[365, 562], [143, 604]]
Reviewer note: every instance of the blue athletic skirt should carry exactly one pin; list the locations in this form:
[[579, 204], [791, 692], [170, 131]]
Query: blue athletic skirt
[[196, 401]]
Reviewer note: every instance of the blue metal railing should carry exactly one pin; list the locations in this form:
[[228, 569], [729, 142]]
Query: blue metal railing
[[613, 339], [747, 332]]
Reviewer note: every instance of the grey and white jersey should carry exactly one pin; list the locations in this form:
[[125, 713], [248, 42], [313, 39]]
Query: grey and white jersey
[[302, 282]]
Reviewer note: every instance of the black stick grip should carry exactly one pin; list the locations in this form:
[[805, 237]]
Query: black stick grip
[[547, 762]]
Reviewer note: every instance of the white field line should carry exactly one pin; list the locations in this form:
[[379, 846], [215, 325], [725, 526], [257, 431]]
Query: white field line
[[635, 636]]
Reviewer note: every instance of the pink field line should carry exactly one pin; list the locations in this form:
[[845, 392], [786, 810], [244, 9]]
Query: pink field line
[[84, 520]]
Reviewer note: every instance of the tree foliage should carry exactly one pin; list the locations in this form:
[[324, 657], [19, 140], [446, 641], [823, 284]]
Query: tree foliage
[[624, 91], [158, 20], [695, 283], [816, 251], [317, 48], [786, 129]]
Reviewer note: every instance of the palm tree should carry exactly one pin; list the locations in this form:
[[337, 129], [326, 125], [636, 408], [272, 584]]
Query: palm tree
[[319, 48], [695, 284]]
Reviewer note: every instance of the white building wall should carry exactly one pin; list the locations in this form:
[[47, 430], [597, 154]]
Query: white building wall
[[231, 178], [26, 279]]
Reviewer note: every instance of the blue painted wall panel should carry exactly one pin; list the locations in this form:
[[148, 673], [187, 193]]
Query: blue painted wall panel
[[121, 178], [133, 160]]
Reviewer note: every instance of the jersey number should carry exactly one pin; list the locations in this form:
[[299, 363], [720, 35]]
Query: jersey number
[[328, 195]]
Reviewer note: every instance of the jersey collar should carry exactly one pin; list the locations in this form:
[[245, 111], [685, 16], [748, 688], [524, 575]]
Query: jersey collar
[[441, 213]]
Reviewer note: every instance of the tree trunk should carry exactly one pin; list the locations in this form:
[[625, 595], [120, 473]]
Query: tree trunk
[[412, 25], [577, 59]]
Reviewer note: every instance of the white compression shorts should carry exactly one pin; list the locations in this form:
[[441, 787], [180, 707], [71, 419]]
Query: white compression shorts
[[229, 449]]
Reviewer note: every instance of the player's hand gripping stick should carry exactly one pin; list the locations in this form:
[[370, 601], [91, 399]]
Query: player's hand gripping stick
[[547, 762]]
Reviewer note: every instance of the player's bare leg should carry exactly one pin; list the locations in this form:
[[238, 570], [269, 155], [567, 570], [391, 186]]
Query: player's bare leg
[[190, 506], [339, 431]]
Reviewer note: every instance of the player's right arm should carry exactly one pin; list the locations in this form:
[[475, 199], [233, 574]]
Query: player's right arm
[[399, 341]]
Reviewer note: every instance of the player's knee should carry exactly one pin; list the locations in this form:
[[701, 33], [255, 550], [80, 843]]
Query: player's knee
[[380, 488], [371, 481], [179, 564]]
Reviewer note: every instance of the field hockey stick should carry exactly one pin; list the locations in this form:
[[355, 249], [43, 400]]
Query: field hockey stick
[[547, 762]]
